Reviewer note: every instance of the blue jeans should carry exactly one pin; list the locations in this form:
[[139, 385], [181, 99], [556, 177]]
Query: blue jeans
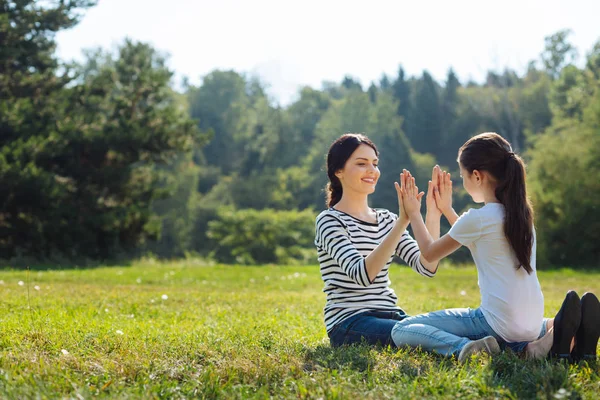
[[448, 331], [372, 327]]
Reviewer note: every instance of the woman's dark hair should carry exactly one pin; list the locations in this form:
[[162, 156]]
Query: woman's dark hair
[[339, 152], [492, 153]]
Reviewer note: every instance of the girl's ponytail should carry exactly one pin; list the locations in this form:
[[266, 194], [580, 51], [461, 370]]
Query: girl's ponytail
[[518, 220]]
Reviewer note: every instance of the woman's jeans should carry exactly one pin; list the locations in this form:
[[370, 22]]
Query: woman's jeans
[[448, 331], [445, 332], [372, 327]]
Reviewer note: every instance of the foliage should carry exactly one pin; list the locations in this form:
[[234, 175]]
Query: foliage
[[262, 236], [106, 159]]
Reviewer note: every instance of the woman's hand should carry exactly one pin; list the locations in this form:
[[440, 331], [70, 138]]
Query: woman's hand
[[402, 215], [411, 198], [443, 196], [432, 208]]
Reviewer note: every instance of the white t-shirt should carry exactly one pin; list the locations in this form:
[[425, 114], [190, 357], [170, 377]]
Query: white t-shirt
[[511, 300]]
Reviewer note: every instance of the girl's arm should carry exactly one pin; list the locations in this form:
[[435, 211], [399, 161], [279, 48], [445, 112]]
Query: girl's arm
[[431, 249], [443, 197], [432, 218]]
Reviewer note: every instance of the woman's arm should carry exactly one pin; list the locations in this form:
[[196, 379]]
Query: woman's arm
[[379, 257], [334, 239], [382, 253], [432, 250]]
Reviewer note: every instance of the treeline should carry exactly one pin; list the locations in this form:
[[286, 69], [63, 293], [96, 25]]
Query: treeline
[[104, 159]]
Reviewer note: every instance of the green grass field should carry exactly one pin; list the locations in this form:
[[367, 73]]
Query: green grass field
[[188, 330]]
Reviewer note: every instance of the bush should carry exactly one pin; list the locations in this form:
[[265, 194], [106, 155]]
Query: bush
[[262, 236]]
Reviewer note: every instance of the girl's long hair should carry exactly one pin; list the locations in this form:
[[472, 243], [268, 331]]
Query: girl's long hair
[[339, 152], [492, 153]]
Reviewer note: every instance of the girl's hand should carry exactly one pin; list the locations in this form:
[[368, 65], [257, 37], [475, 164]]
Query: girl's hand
[[432, 207], [411, 198], [443, 196]]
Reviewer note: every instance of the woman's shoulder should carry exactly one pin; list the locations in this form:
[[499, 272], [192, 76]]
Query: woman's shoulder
[[384, 212], [329, 214]]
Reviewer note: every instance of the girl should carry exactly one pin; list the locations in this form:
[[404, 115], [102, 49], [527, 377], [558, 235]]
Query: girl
[[501, 238], [356, 245]]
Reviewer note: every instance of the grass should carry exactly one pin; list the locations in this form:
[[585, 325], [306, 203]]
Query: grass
[[187, 330]]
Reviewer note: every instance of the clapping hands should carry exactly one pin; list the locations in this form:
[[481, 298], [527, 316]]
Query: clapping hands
[[439, 194]]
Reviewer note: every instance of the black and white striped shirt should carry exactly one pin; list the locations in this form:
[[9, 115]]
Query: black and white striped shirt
[[343, 242]]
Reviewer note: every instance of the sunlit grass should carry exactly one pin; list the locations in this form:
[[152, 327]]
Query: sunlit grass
[[181, 330]]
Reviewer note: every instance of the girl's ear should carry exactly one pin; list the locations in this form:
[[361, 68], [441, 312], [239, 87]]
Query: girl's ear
[[477, 177]]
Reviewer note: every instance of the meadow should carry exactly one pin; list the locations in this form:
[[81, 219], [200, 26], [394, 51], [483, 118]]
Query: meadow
[[193, 330]]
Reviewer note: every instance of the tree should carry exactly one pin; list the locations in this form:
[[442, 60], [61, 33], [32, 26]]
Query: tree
[[401, 92], [450, 102], [558, 52], [350, 84], [534, 108], [372, 91], [564, 170], [220, 105], [31, 109], [88, 181], [426, 131]]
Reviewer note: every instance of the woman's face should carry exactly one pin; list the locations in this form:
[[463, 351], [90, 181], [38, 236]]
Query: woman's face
[[360, 173]]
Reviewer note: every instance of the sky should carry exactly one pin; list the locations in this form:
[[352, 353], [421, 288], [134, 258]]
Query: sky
[[291, 43]]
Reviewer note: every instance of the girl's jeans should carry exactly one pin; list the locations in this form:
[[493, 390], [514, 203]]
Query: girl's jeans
[[448, 331]]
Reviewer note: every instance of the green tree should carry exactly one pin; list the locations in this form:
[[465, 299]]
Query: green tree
[[426, 127], [401, 92], [450, 101], [31, 109], [558, 52], [220, 104], [564, 170]]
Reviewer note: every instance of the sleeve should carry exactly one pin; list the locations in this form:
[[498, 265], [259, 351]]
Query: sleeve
[[333, 238], [408, 250], [467, 228]]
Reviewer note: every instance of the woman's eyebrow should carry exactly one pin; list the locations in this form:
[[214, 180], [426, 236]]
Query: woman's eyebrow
[[366, 159]]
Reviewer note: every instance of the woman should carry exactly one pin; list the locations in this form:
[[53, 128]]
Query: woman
[[356, 245]]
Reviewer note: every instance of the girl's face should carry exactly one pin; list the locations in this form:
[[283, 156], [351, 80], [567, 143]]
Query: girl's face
[[360, 173], [472, 184]]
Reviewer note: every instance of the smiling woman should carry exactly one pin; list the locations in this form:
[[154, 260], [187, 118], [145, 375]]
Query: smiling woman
[[356, 245]]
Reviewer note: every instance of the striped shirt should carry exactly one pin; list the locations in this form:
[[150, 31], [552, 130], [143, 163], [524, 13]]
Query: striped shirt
[[343, 242]]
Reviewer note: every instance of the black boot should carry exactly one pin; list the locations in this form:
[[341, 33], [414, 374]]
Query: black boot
[[586, 338], [566, 323]]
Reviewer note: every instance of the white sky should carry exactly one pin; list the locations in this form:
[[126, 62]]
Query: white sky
[[290, 43]]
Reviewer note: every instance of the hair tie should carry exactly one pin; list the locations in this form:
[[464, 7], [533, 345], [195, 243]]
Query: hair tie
[[509, 155]]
